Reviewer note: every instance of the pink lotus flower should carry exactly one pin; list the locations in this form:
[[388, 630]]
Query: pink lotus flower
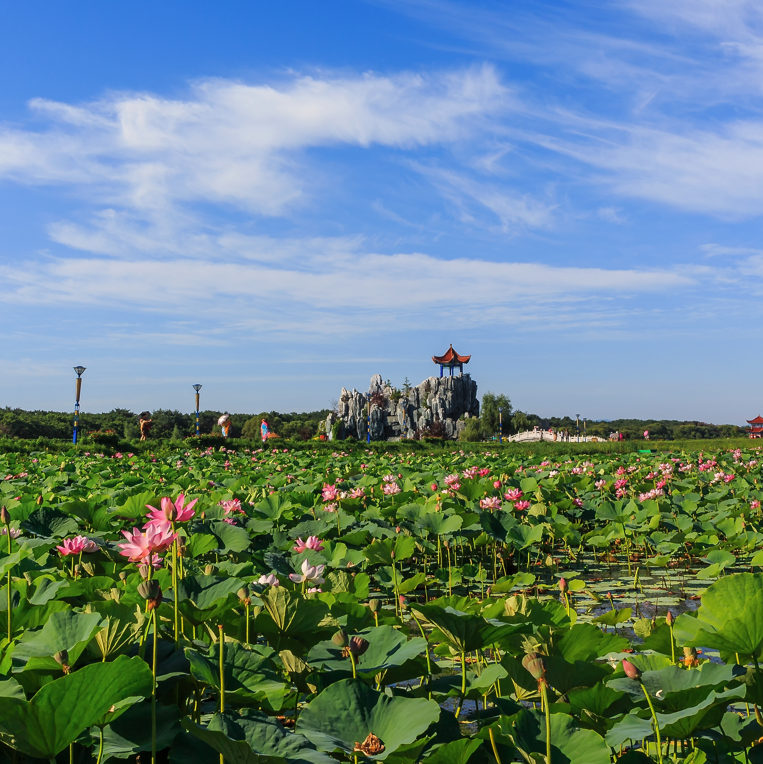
[[600, 484], [754, 504], [451, 479], [171, 511], [490, 502], [232, 506], [269, 580], [77, 545], [621, 483], [314, 590], [156, 563], [390, 489], [140, 545], [484, 472], [15, 532], [313, 542], [521, 505], [577, 502], [309, 573], [329, 492], [513, 494], [357, 493]]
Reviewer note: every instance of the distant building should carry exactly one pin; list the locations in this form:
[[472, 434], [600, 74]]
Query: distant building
[[756, 427], [450, 360]]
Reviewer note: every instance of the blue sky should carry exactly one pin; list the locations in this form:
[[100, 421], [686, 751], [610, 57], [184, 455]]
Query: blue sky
[[279, 199]]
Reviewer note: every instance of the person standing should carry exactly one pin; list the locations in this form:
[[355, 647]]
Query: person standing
[[646, 434], [225, 424], [146, 423], [264, 430]]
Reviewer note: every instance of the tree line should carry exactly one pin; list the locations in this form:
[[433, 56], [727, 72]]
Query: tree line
[[167, 423]]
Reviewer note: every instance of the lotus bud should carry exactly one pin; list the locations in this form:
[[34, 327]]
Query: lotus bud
[[397, 529], [115, 594], [122, 575], [374, 605], [209, 569], [40, 500], [62, 658], [340, 639], [669, 619], [433, 486], [358, 645], [563, 586], [5, 517], [151, 591], [631, 671], [392, 554], [534, 663]]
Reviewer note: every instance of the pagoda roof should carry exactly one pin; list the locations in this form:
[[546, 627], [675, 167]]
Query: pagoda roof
[[758, 420], [451, 357]]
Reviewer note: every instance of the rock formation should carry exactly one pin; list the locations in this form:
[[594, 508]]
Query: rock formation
[[395, 415]]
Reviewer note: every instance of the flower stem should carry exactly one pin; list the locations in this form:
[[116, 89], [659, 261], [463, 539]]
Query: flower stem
[[153, 693], [547, 711], [222, 677], [654, 721]]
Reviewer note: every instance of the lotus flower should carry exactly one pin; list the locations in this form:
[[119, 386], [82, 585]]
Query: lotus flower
[[357, 493], [14, 532], [313, 542], [521, 505], [309, 573], [268, 580], [140, 545], [513, 494], [171, 512], [391, 488], [630, 670], [156, 563], [77, 545], [234, 505], [329, 492], [490, 502]]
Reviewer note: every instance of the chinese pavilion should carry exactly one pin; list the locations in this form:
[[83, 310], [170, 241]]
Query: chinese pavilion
[[756, 427], [451, 359]]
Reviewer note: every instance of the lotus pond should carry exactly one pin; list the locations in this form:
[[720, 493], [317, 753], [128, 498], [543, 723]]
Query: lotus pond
[[271, 606]]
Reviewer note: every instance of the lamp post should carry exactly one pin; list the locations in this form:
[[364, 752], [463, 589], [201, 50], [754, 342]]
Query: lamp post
[[197, 388], [500, 424], [577, 425], [368, 418], [80, 370], [585, 433]]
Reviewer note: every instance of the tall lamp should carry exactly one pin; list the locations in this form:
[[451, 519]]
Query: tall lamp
[[368, 418], [197, 388], [80, 370], [585, 432], [577, 425], [500, 424]]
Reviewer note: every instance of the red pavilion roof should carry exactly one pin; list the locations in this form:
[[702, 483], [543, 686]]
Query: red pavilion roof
[[758, 420], [452, 357]]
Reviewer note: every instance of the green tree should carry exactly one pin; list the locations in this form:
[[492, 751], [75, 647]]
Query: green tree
[[489, 413], [472, 432]]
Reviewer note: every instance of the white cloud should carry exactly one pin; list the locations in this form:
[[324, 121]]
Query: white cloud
[[237, 143]]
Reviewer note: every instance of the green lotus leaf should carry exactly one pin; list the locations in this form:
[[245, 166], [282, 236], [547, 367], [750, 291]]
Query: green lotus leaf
[[346, 712], [226, 736], [455, 752], [65, 707], [730, 617], [49, 522], [290, 616], [569, 742], [130, 732], [387, 648], [203, 597], [585, 642], [231, 538], [66, 630], [250, 674], [564, 676]]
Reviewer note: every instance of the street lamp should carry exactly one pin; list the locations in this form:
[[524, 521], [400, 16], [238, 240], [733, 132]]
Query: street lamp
[[197, 388], [80, 370], [585, 433], [500, 424], [577, 425]]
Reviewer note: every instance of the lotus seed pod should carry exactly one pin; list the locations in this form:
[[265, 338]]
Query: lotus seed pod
[[340, 639], [374, 605], [243, 595], [535, 664], [150, 590], [631, 671], [358, 645]]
